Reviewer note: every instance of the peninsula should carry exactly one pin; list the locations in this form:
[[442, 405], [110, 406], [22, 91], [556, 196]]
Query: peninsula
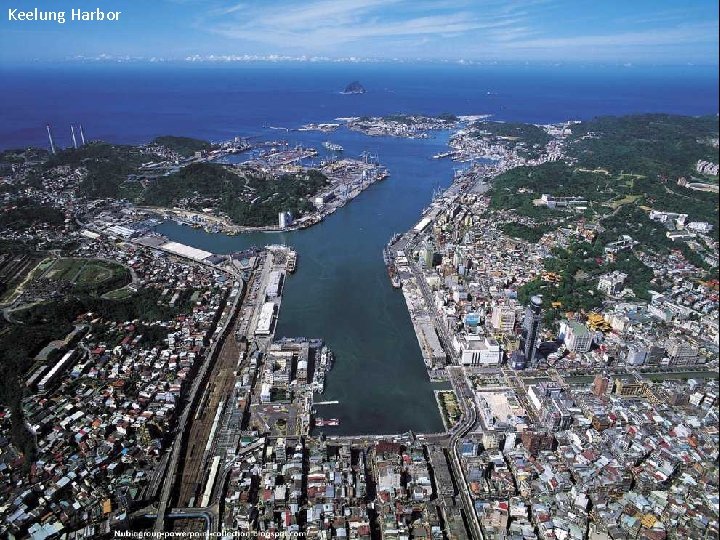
[[272, 187]]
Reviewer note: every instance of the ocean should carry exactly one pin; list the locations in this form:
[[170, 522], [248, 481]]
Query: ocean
[[340, 292], [132, 103]]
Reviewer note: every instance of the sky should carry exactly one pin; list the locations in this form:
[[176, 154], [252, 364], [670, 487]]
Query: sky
[[602, 31]]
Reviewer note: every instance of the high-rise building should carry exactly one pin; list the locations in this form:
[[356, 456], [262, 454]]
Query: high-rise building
[[503, 318], [531, 329], [427, 255], [612, 283], [576, 335], [284, 219], [681, 352]]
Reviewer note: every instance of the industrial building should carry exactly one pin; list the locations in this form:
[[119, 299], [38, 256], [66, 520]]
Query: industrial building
[[56, 370], [265, 320], [478, 351], [186, 251], [274, 286]]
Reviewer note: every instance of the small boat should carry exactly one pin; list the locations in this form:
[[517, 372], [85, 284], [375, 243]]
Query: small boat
[[332, 146]]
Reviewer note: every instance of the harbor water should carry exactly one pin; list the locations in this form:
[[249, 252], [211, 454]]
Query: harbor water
[[340, 292]]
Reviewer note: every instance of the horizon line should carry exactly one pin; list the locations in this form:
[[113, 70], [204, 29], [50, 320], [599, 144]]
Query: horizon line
[[221, 59]]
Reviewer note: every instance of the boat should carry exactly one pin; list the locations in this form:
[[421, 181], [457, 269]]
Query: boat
[[320, 422], [291, 262], [392, 274], [332, 146]]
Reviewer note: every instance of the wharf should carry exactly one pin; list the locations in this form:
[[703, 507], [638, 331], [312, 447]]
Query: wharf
[[432, 350]]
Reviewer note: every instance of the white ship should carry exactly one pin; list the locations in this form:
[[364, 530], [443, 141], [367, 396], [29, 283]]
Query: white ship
[[332, 146]]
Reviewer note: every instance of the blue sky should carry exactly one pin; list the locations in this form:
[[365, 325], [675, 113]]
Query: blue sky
[[606, 31]]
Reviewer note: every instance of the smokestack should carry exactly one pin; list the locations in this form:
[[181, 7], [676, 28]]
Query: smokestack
[[82, 135], [52, 143], [72, 132]]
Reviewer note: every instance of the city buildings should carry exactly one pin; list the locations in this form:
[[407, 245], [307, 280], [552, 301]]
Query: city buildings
[[531, 325]]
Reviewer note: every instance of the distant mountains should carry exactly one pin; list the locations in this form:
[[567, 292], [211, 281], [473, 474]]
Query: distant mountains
[[354, 88]]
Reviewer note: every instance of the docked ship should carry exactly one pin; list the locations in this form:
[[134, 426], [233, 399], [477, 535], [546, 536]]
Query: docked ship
[[382, 173], [392, 274], [332, 146], [322, 366], [390, 263], [320, 422], [291, 263]]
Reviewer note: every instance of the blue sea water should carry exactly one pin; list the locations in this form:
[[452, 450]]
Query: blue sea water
[[133, 103], [340, 292]]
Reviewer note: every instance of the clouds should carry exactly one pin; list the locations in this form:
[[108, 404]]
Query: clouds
[[323, 25], [655, 31], [483, 30]]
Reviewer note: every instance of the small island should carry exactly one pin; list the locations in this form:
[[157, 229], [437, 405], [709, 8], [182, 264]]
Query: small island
[[354, 88]]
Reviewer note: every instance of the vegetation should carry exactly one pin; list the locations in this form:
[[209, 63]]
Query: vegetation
[[34, 327], [198, 180], [518, 187], [248, 199], [12, 156], [108, 167], [649, 234], [624, 167], [400, 119], [449, 408], [143, 305], [575, 271], [18, 345], [651, 145], [524, 232], [185, 146], [410, 119], [21, 155], [657, 149], [530, 134], [447, 117], [25, 213], [90, 276]]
